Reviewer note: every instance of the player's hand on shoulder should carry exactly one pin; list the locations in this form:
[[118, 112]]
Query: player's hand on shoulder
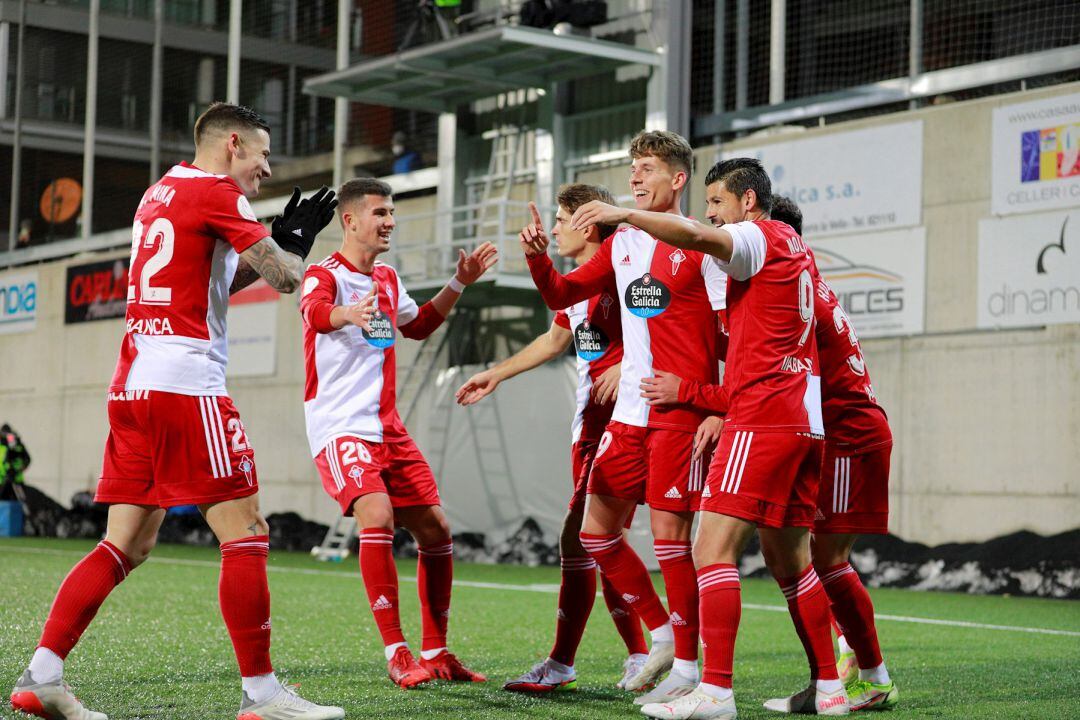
[[661, 389], [362, 313], [606, 387], [301, 221], [533, 238], [476, 388], [471, 267], [708, 434]]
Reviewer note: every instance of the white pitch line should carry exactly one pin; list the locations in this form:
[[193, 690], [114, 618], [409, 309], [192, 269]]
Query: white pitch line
[[551, 589]]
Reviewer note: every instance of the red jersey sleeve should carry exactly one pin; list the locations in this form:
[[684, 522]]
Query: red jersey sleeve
[[317, 299], [561, 291], [710, 398], [562, 320], [228, 215], [427, 320]]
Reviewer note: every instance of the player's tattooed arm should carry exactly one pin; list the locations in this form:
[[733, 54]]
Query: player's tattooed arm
[[245, 275], [281, 270]]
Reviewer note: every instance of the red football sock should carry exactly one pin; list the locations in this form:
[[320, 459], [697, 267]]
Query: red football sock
[[577, 593], [837, 630], [720, 603], [627, 573], [381, 582], [626, 620], [434, 578], [809, 608], [81, 594], [244, 595], [851, 605], [680, 581]]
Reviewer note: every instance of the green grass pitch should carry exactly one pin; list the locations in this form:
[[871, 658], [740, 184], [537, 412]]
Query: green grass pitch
[[158, 649]]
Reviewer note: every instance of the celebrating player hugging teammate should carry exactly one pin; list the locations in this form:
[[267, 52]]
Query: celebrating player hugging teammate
[[594, 326], [352, 308], [175, 437], [668, 296]]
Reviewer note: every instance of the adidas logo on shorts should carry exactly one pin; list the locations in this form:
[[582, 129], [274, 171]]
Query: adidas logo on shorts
[[676, 619], [706, 492], [630, 599], [382, 604], [560, 614], [673, 494], [818, 515]]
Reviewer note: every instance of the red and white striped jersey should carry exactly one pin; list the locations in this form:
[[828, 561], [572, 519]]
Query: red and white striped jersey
[[849, 408], [351, 374], [669, 298], [771, 376], [597, 330], [188, 231]]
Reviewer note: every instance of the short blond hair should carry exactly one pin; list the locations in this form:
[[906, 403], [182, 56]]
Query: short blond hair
[[668, 146]]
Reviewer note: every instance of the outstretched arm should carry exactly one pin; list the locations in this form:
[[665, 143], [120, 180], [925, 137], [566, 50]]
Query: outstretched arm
[[429, 316], [281, 270], [561, 291], [672, 229], [546, 347]]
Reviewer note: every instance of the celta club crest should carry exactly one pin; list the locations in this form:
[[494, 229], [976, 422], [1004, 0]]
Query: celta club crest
[[606, 301], [246, 466], [357, 472], [676, 259], [646, 279]]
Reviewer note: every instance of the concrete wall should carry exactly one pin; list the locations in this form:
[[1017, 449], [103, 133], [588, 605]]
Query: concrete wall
[[985, 422]]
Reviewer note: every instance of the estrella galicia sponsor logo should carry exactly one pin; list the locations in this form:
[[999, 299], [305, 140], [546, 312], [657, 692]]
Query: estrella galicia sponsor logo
[[863, 290], [382, 332], [590, 342], [18, 302], [647, 297]]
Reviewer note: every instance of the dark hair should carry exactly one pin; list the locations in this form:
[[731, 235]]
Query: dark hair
[[785, 210], [741, 174], [575, 195], [225, 117], [670, 147], [356, 190]]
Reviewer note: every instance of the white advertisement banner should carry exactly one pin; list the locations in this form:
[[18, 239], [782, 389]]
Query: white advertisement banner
[[253, 331], [849, 182], [880, 279], [18, 301], [1036, 156], [1029, 270]]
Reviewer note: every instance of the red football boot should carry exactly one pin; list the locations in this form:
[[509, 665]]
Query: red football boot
[[404, 670], [446, 666]]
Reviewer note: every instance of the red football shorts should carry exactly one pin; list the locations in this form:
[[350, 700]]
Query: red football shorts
[[854, 492], [767, 478], [582, 455], [351, 468], [649, 465], [166, 449]]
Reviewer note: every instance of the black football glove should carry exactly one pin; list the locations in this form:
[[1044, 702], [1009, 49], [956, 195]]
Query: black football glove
[[298, 225]]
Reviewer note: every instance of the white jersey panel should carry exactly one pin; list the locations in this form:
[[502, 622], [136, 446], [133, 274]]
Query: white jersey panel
[[631, 255]]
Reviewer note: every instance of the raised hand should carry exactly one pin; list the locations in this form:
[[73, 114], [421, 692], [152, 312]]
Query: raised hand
[[596, 212], [661, 389], [476, 388], [471, 267], [295, 230], [708, 434], [533, 238], [361, 314], [606, 387]]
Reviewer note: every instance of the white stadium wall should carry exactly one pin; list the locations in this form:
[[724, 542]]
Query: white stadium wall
[[986, 420]]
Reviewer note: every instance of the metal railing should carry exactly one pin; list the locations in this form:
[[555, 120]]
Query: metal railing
[[422, 261]]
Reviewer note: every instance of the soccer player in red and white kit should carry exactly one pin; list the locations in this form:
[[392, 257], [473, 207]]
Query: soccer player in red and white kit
[[768, 461], [853, 498], [595, 329], [668, 295], [858, 444], [367, 461], [175, 437]]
